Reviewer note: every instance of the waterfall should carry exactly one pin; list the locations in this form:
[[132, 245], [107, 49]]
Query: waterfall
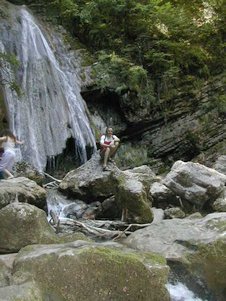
[[50, 109]]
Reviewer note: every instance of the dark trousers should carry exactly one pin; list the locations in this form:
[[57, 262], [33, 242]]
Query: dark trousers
[[1, 175]]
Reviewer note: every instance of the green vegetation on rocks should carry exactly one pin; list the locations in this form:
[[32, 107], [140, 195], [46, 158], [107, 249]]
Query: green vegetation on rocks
[[93, 272], [209, 262], [150, 48], [131, 195]]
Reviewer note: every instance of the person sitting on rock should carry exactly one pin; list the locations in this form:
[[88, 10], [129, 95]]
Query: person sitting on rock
[[108, 146], [8, 142]]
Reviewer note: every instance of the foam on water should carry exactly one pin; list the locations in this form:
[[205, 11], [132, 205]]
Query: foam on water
[[180, 292]]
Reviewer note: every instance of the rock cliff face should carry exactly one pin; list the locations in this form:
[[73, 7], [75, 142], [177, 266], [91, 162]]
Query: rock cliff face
[[191, 125], [187, 126]]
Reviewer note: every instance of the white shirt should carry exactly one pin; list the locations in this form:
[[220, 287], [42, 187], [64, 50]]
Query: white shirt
[[104, 138], [9, 144]]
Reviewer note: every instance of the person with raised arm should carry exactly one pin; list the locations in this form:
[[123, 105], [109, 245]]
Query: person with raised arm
[[8, 142]]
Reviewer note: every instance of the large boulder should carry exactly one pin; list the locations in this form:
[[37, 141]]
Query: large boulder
[[195, 183], [198, 244], [173, 238], [130, 188], [132, 197], [23, 224], [162, 196], [88, 271], [23, 190], [89, 182], [144, 174]]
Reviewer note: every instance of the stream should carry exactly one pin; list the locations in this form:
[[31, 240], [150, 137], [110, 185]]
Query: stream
[[179, 281]]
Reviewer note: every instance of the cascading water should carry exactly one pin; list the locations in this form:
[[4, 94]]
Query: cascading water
[[51, 108], [180, 292]]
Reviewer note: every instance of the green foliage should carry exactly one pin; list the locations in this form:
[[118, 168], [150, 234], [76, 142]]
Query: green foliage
[[137, 78], [130, 155], [67, 9], [10, 58], [7, 60], [138, 43], [221, 104], [114, 72], [217, 103]]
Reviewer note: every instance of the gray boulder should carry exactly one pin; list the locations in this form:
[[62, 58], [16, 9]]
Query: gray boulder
[[220, 165], [173, 238], [162, 196], [199, 245], [90, 183], [158, 214], [174, 212], [132, 196], [23, 224], [143, 174], [88, 271], [195, 183], [22, 190]]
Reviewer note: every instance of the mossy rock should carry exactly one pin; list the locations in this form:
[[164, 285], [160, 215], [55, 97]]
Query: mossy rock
[[24, 169], [209, 263], [24, 292], [131, 195], [70, 237], [23, 224], [83, 271]]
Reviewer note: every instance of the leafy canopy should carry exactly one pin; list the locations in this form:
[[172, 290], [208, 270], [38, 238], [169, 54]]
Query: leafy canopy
[[163, 37], [143, 43]]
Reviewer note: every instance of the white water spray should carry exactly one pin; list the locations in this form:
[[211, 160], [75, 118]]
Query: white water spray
[[51, 109], [179, 292]]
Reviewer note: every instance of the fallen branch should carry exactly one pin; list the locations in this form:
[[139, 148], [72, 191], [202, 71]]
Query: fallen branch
[[51, 177], [130, 226], [51, 185], [94, 230]]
